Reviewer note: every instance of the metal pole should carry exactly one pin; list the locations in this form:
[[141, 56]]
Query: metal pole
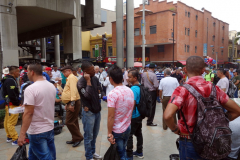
[[143, 36], [130, 33], [119, 37], [173, 41], [216, 59], [232, 54], [1, 57]]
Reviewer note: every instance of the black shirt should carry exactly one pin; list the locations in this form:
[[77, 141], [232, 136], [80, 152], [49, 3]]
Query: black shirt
[[179, 77], [90, 94]]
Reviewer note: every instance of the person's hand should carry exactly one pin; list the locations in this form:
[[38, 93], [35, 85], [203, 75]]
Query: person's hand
[[71, 108], [178, 131], [86, 109], [161, 99], [111, 139], [87, 76], [21, 140]]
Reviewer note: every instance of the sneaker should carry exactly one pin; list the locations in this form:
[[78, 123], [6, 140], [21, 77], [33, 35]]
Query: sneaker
[[129, 158], [9, 140], [14, 143], [96, 156], [139, 155]]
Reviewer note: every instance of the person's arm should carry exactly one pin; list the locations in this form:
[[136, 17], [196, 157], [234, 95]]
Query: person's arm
[[155, 82], [233, 109], [105, 83], [73, 89], [85, 90], [160, 94], [110, 123], [168, 117], [236, 83], [58, 100], [26, 121]]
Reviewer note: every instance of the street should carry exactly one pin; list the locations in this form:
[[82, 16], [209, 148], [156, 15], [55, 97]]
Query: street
[[157, 144]]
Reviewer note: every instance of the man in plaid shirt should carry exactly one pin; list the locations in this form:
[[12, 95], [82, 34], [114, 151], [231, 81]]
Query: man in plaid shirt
[[184, 100]]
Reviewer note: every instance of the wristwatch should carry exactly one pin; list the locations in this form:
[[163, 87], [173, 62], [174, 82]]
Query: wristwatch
[[72, 103], [175, 129]]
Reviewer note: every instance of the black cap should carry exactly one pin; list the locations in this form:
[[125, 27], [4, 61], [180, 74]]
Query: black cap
[[152, 65], [66, 67], [54, 65]]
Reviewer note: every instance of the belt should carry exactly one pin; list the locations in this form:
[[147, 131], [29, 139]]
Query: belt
[[185, 136], [184, 139]]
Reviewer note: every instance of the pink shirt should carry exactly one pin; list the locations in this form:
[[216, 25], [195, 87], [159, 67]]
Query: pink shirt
[[125, 77], [122, 99], [41, 95]]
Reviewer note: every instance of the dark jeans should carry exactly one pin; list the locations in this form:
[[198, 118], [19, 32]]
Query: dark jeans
[[187, 151], [42, 146], [72, 122], [91, 126], [136, 129], [154, 99], [121, 139], [236, 94]]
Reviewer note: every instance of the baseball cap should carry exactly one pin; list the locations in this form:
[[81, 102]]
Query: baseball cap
[[179, 67], [48, 69], [6, 71], [207, 69], [20, 67]]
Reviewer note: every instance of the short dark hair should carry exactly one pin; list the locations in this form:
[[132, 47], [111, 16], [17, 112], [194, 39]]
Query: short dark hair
[[195, 64], [12, 68], [25, 66], [134, 72], [116, 74], [36, 68], [86, 65], [222, 71], [54, 65]]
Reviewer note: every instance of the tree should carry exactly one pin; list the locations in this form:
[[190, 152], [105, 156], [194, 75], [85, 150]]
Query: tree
[[237, 38]]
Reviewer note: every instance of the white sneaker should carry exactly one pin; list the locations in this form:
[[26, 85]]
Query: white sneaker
[[96, 156]]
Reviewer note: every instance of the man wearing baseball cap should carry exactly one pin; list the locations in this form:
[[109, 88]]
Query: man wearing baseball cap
[[71, 98], [209, 76]]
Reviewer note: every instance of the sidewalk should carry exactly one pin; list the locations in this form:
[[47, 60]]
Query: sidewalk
[[158, 144]]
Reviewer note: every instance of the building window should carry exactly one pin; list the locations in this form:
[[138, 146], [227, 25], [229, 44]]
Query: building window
[[136, 32], [185, 31], [110, 51], [153, 29], [213, 38], [196, 33], [196, 17], [188, 31], [188, 14], [223, 27], [222, 52], [85, 54], [222, 40], [160, 48], [93, 52], [185, 48], [214, 24], [195, 49], [188, 48]]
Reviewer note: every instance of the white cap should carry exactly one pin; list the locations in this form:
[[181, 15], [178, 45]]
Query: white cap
[[6, 71], [207, 69], [179, 67]]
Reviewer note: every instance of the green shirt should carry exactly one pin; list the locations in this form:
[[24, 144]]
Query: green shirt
[[235, 80], [63, 78], [208, 78]]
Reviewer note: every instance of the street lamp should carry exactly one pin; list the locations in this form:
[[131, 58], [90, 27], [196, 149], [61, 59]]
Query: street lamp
[[143, 12], [173, 36]]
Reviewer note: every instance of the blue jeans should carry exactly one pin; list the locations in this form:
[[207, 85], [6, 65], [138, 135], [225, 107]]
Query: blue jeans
[[42, 146], [187, 151], [236, 94], [121, 139], [91, 125]]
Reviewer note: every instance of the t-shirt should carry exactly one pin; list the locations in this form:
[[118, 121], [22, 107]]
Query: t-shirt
[[235, 80], [223, 83], [207, 76], [41, 94], [235, 146], [137, 95], [122, 99], [168, 85], [125, 78]]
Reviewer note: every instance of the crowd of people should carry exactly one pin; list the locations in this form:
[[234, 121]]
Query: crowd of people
[[83, 89]]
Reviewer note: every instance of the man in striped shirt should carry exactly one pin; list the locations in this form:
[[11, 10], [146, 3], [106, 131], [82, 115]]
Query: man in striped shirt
[[160, 75]]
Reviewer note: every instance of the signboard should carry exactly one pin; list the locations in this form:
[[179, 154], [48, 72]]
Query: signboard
[[205, 49], [96, 50], [110, 59]]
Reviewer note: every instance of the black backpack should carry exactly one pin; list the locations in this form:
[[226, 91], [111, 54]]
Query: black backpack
[[215, 79], [25, 77], [211, 136], [145, 103], [2, 97]]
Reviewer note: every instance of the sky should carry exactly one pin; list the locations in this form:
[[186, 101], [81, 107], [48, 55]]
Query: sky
[[226, 10]]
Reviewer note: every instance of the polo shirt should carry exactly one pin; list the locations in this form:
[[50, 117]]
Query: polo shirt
[[168, 85], [207, 76]]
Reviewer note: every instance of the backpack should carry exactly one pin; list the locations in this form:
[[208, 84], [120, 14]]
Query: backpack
[[23, 88], [2, 98], [145, 104], [232, 89], [211, 135], [215, 79], [25, 77]]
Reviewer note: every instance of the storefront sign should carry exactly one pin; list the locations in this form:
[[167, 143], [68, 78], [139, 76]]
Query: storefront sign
[[111, 59]]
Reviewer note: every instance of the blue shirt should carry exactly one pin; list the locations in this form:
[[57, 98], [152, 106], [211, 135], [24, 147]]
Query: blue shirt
[[160, 76], [136, 92], [46, 75], [231, 73]]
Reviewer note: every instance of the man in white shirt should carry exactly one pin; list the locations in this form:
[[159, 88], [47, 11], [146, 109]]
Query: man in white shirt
[[166, 88], [223, 83], [56, 73]]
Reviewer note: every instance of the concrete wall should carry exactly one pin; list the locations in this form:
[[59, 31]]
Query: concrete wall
[[86, 41], [111, 16]]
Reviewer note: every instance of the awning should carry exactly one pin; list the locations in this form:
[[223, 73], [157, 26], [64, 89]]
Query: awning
[[183, 62]]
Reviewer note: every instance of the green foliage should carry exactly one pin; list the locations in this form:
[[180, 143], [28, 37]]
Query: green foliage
[[237, 37], [172, 9]]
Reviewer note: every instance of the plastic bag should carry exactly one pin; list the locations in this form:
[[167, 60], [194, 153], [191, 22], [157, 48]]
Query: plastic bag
[[20, 154], [112, 153]]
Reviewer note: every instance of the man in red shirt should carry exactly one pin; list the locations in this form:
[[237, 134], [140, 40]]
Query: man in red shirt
[[23, 75], [184, 100]]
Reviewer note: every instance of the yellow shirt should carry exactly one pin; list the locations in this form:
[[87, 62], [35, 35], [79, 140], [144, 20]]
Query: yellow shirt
[[70, 92], [59, 87]]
